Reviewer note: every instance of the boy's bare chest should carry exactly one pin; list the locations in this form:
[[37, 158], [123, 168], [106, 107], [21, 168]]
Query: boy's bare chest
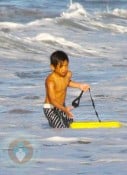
[[61, 84]]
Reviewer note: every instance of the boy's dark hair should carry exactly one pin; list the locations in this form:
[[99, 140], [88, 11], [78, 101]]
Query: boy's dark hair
[[58, 57]]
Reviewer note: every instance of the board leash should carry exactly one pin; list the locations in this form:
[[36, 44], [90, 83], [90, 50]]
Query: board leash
[[76, 101], [93, 104]]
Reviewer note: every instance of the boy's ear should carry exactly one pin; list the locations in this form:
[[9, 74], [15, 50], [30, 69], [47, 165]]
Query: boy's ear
[[52, 67]]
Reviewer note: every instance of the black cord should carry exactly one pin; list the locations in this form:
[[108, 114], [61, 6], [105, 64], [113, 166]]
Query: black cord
[[93, 104]]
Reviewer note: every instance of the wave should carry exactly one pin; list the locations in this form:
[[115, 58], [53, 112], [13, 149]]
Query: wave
[[110, 27], [59, 32], [64, 43], [34, 44], [114, 13], [81, 19], [12, 47], [48, 38], [7, 26], [120, 13], [75, 10], [90, 25], [77, 17]]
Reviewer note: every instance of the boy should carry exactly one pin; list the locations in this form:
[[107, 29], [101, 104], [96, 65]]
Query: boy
[[59, 115]]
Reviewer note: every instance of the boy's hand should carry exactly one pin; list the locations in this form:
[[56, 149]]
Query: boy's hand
[[68, 111], [84, 87]]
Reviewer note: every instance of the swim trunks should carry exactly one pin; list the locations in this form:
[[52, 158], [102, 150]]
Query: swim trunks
[[56, 117]]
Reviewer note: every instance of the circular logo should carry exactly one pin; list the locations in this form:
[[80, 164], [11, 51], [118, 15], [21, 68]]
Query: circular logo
[[20, 151]]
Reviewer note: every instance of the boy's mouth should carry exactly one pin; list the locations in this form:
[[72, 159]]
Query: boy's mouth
[[64, 73]]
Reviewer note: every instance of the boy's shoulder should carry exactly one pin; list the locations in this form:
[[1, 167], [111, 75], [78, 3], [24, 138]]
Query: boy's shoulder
[[50, 76], [69, 74]]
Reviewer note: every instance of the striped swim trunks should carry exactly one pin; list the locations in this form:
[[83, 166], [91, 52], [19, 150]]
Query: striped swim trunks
[[56, 117]]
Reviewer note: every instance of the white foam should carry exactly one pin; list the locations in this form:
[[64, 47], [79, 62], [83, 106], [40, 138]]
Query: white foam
[[63, 42], [43, 21], [55, 39], [120, 12], [109, 160], [112, 27], [75, 10], [10, 25], [67, 139]]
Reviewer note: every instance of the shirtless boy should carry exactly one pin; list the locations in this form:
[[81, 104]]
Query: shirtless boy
[[56, 84]]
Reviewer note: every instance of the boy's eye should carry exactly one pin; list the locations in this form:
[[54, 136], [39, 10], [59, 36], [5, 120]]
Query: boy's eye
[[61, 66]]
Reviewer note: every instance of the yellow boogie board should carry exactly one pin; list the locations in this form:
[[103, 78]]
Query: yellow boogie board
[[95, 124]]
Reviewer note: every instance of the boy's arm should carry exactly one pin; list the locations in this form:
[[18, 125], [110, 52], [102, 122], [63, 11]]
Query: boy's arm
[[82, 86]]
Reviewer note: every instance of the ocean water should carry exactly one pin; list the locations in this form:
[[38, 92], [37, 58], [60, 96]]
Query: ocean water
[[94, 35]]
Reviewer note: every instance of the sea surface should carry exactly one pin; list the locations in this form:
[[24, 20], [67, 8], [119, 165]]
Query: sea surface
[[94, 35]]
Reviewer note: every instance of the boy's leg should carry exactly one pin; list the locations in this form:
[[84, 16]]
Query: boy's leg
[[67, 121], [57, 118], [54, 119]]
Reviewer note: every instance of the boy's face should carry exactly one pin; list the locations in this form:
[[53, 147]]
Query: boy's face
[[62, 68]]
